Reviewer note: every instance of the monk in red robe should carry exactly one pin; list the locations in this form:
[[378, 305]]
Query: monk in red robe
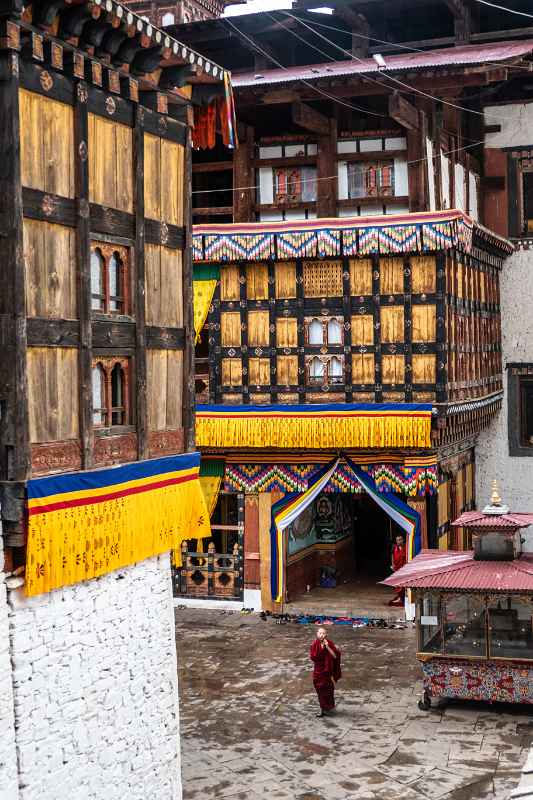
[[399, 559], [327, 660]]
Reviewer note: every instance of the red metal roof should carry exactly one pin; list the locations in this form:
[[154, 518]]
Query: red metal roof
[[451, 570], [476, 519], [467, 55]]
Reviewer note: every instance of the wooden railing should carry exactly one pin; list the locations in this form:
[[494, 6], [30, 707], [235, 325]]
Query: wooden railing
[[211, 574]]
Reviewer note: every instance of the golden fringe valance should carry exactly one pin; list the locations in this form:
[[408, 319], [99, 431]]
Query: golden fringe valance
[[315, 426], [87, 524]]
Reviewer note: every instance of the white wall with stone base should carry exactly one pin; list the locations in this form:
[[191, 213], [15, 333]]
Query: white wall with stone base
[[8, 753], [95, 688], [514, 474]]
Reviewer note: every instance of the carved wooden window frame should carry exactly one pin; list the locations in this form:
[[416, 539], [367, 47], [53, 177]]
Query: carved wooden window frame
[[327, 379], [372, 183], [324, 321], [109, 411], [107, 251]]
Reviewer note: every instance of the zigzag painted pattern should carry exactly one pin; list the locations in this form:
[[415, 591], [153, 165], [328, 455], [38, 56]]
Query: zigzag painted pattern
[[197, 248], [239, 246], [251, 478]]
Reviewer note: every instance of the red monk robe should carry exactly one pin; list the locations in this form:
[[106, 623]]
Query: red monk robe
[[399, 559], [327, 670]]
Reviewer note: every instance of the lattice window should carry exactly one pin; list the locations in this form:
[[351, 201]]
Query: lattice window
[[294, 185], [372, 179], [111, 392], [323, 331], [110, 278], [322, 278], [325, 370]]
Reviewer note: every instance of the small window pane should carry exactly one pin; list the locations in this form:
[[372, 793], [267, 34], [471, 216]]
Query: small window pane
[[335, 370], [356, 183], [98, 395], [97, 283], [117, 395], [316, 368], [115, 289], [464, 626], [334, 332], [316, 332], [526, 402], [430, 629], [510, 628]]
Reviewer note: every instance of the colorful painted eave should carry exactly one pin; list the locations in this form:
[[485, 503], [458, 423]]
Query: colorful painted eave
[[344, 236], [351, 425]]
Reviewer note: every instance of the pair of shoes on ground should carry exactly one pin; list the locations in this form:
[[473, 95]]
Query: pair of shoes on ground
[[324, 713]]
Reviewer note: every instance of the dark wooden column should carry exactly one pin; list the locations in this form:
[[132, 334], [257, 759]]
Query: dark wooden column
[[188, 313], [243, 176], [15, 455], [83, 272], [139, 292], [326, 193]]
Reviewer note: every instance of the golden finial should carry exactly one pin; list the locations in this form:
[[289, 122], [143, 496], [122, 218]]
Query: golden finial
[[495, 499]]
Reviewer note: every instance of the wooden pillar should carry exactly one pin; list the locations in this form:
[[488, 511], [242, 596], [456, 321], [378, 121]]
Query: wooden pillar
[[327, 192], [189, 402], [417, 170], [83, 272], [243, 176], [140, 336], [251, 542], [15, 453], [419, 504]]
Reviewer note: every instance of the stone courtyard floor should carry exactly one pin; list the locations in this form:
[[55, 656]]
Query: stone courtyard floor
[[249, 729]]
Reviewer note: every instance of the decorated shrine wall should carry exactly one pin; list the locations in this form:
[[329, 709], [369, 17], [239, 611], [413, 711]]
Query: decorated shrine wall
[[381, 328]]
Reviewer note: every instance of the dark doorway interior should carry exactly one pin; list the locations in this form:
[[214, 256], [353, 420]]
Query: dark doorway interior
[[373, 534]]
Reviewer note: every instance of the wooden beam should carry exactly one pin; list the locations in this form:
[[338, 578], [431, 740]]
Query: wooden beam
[[462, 15], [403, 112], [326, 195], [215, 211], [310, 120], [213, 166], [188, 403], [243, 178], [141, 408]]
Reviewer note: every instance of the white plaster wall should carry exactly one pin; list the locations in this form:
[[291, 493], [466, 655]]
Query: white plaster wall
[[8, 753], [95, 681], [516, 125], [515, 475]]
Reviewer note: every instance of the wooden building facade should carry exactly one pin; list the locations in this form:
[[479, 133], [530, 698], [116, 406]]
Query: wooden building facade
[[95, 309], [346, 247]]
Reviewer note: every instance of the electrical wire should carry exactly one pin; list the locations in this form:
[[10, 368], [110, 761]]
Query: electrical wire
[[335, 177], [302, 80], [382, 72], [504, 8]]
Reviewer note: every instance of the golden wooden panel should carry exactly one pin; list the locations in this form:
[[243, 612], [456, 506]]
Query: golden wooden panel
[[164, 388], [424, 397], [469, 481], [111, 164], [46, 144], [286, 332], [322, 278], [152, 176], [50, 258], [460, 276], [393, 397], [424, 368], [392, 369], [230, 288], [318, 397], [424, 323], [53, 391], [290, 397], [360, 276], [423, 274], [259, 372], [391, 275], [163, 298], [287, 371], [442, 504], [285, 272], [172, 183], [257, 281], [230, 329], [363, 368], [232, 399], [363, 397], [258, 328], [362, 329], [392, 323], [231, 372], [259, 399]]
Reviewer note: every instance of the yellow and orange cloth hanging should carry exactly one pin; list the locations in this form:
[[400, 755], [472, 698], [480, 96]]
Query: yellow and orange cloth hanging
[[218, 114], [205, 278], [90, 523]]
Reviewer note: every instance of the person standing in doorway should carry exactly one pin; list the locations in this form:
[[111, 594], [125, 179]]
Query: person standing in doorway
[[399, 559], [327, 660]]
